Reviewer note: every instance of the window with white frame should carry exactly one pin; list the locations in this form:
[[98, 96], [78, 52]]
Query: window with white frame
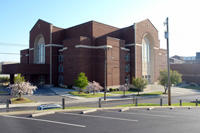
[[146, 58], [39, 50]]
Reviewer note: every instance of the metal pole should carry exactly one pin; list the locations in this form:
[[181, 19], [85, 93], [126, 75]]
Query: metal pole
[[136, 102], [105, 74], [180, 102], [161, 102], [63, 103], [196, 102], [99, 102], [168, 64], [7, 105]]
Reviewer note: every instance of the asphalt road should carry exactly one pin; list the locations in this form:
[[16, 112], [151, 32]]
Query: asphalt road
[[108, 121]]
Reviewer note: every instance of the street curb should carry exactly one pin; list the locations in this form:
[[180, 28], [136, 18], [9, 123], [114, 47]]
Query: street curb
[[89, 111], [42, 114], [150, 108], [97, 109], [124, 109]]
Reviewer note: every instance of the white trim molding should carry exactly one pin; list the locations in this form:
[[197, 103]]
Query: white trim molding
[[155, 47], [61, 50], [125, 49], [31, 48], [53, 45], [133, 44], [27, 55], [93, 47]]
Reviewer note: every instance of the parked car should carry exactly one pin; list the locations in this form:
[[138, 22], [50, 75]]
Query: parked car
[[48, 106]]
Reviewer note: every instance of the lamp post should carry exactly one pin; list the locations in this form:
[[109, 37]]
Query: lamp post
[[168, 64], [105, 73]]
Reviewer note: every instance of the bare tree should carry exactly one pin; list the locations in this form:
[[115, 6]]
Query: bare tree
[[94, 87]]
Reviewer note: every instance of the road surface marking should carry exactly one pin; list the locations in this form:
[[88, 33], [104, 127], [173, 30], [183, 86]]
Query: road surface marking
[[104, 117], [142, 114], [49, 121]]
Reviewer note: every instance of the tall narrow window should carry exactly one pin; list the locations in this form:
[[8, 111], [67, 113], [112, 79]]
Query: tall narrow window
[[146, 58], [39, 50]]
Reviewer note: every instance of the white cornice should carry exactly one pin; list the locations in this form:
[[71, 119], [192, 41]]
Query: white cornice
[[125, 49], [132, 44], [61, 50], [53, 45], [31, 48], [155, 47], [93, 47]]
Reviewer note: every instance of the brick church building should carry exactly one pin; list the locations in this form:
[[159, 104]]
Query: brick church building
[[106, 54]]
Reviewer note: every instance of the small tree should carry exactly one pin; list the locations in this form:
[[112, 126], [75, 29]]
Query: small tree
[[82, 81], [94, 87], [139, 84], [22, 88], [19, 79], [175, 78]]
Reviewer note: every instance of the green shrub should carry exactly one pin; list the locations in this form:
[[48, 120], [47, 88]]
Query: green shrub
[[139, 84], [175, 78], [18, 79], [81, 82]]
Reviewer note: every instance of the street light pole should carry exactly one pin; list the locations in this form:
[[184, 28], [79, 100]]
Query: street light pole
[[168, 64], [105, 74]]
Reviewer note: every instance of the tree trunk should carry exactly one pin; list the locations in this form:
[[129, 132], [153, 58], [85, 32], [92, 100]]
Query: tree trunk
[[20, 96], [165, 89], [93, 92]]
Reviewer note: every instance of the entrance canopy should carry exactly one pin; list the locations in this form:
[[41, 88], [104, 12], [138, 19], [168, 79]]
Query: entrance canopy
[[25, 69]]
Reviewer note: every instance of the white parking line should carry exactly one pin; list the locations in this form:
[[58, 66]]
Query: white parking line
[[167, 116], [49, 121], [104, 117]]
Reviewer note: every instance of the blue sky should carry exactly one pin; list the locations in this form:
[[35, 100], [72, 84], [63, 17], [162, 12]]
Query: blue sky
[[17, 17]]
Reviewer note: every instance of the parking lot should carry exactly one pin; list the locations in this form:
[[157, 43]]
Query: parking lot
[[107, 121]]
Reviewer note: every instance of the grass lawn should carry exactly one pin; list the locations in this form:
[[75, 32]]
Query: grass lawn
[[152, 93], [132, 92], [22, 100], [153, 104], [122, 92], [78, 107], [3, 92], [88, 95]]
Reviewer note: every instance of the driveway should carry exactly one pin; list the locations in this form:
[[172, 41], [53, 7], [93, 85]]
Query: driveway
[[49, 95]]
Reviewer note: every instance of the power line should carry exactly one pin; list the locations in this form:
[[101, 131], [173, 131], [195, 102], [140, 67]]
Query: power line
[[11, 53], [13, 44]]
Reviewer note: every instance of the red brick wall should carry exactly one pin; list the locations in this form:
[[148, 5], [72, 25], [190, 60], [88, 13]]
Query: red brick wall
[[44, 28], [84, 29], [190, 72], [143, 28], [99, 29], [24, 56], [76, 60]]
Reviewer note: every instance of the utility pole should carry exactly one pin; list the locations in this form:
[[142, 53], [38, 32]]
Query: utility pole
[[168, 64]]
